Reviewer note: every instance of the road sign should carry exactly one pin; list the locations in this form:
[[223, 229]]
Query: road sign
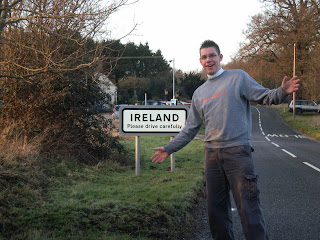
[[152, 120]]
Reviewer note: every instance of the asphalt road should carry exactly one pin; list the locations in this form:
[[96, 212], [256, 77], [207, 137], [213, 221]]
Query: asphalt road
[[288, 165]]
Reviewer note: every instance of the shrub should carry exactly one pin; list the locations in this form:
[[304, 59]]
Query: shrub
[[54, 108]]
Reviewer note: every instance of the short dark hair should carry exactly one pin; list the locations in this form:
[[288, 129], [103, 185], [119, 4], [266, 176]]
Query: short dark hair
[[209, 43]]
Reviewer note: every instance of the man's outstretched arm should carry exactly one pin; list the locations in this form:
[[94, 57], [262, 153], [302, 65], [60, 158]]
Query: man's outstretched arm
[[160, 155]]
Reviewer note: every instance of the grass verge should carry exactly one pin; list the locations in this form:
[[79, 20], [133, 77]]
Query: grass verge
[[65, 199], [307, 123]]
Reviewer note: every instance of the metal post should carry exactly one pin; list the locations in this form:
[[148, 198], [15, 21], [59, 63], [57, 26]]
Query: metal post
[[294, 73], [137, 155], [172, 160], [145, 99], [173, 83]]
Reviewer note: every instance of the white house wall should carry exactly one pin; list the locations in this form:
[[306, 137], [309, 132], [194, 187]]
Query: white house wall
[[108, 87]]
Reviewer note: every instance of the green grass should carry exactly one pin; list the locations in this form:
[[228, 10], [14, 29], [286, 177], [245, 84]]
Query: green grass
[[106, 201], [202, 130], [64, 199], [307, 123]]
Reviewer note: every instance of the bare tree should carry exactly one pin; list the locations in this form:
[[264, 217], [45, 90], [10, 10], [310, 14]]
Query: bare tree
[[51, 35], [49, 52], [271, 36]]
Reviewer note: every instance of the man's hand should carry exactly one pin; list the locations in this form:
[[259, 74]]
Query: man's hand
[[291, 85], [160, 156]]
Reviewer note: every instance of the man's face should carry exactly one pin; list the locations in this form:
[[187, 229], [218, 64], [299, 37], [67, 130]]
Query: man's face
[[210, 60]]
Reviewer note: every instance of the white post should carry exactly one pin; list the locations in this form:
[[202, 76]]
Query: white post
[[145, 99], [172, 160], [137, 155]]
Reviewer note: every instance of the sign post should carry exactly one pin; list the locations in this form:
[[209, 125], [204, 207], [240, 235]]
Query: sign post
[[137, 155], [151, 121], [172, 160]]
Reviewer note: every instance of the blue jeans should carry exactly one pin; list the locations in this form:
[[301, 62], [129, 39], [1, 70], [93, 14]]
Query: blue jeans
[[232, 168]]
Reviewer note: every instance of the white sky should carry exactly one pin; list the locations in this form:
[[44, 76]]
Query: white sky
[[178, 27]]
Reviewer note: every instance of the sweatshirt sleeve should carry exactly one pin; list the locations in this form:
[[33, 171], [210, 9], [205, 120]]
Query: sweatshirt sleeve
[[190, 130], [259, 94]]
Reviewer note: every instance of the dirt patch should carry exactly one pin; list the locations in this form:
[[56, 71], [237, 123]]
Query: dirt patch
[[201, 227]]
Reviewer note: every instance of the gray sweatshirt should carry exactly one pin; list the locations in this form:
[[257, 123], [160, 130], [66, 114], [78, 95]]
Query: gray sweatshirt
[[223, 105]]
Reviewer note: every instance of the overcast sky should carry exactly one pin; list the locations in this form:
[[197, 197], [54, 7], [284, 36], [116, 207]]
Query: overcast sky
[[178, 27]]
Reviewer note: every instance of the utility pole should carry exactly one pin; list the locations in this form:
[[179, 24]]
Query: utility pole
[[173, 81], [172, 157]]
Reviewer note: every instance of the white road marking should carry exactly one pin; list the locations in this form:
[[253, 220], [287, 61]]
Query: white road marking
[[310, 165], [292, 155], [269, 135], [285, 136]]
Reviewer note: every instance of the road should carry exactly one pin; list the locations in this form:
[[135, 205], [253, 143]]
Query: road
[[288, 165]]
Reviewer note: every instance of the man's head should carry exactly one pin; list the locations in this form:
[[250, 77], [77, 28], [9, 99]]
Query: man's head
[[209, 43], [210, 57]]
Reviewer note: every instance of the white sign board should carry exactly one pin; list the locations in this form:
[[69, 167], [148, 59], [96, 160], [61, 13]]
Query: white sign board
[[152, 120]]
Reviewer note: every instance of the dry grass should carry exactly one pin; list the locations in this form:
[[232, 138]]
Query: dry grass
[[307, 123], [315, 120], [15, 151]]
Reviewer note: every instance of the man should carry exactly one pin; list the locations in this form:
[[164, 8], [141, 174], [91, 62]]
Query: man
[[222, 103]]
